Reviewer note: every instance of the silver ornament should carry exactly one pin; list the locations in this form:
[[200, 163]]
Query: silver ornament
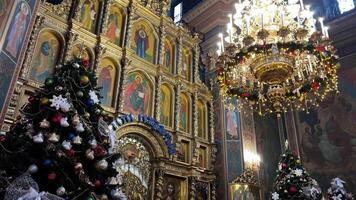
[[115, 193], [77, 140], [66, 145], [75, 120], [112, 181], [45, 123], [53, 137], [64, 122], [103, 197], [76, 65], [32, 169], [38, 138], [102, 165], [61, 191], [80, 128]]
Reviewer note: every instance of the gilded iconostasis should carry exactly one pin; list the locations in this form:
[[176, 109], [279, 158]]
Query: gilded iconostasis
[[146, 65]]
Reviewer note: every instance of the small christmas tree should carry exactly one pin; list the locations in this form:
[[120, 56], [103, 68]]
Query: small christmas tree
[[62, 142], [337, 190], [293, 181]]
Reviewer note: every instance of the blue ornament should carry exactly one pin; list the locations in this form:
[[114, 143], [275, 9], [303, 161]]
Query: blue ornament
[[47, 163], [90, 102], [71, 136]]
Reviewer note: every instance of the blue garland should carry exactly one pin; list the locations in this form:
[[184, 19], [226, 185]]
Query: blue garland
[[153, 124]]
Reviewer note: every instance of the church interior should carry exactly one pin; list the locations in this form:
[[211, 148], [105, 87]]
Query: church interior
[[178, 99]]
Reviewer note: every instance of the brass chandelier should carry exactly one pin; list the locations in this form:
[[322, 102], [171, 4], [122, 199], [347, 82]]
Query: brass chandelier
[[273, 58]]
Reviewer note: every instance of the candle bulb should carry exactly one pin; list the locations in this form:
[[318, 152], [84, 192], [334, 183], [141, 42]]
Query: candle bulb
[[248, 24], [282, 18], [298, 18], [262, 20], [326, 32]]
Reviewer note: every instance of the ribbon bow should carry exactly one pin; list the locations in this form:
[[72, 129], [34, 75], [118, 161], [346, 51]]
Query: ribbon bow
[[25, 188]]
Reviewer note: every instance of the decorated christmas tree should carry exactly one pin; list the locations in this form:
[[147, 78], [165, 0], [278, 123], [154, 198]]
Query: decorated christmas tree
[[337, 190], [61, 147], [293, 181]]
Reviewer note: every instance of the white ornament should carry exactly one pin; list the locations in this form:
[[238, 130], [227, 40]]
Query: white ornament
[[64, 122], [61, 191], [66, 145], [93, 96], [102, 165], [32, 169], [45, 123], [38, 138], [80, 128], [93, 143], [77, 140], [298, 172], [275, 196], [58, 101]]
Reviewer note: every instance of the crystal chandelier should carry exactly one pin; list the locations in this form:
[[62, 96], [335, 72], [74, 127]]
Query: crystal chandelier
[[273, 58]]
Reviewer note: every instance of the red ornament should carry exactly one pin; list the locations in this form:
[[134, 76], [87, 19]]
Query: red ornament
[[56, 119], [284, 165], [97, 183], [85, 63], [292, 189], [99, 151], [245, 94], [2, 138], [31, 99], [52, 176], [70, 153], [315, 86], [320, 48]]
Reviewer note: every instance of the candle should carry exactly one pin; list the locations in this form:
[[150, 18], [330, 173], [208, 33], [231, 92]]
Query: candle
[[298, 18], [310, 64], [219, 48], [230, 28], [326, 32], [262, 20], [321, 20], [301, 4], [282, 18], [222, 42], [248, 24]]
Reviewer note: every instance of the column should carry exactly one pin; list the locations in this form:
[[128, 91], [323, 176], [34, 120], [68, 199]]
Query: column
[[211, 121], [106, 10], [131, 13], [72, 37], [99, 50], [177, 107], [125, 64], [159, 184], [213, 190], [192, 189], [158, 98], [196, 78], [162, 40], [180, 50], [195, 114]]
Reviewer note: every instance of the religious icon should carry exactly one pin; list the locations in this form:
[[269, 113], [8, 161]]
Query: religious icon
[[165, 117], [106, 81], [183, 152], [137, 95], [142, 43], [201, 120], [7, 68], [114, 27], [186, 66], [170, 192], [183, 115], [88, 15], [201, 158], [17, 30], [232, 124], [46, 56], [168, 58]]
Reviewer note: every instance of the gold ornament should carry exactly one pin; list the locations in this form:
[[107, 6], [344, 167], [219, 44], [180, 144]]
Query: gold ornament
[[53, 137], [75, 120], [44, 101], [77, 140], [45, 123], [84, 80], [90, 154]]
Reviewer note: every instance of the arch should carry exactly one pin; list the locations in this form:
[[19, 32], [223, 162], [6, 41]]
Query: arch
[[169, 54], [144, 40], [84, 52], [108, 74], [116, 25], [184, 113], [187, 60], [138, 94], [48, 49], [88, 14], [202, 130], [166, 102]]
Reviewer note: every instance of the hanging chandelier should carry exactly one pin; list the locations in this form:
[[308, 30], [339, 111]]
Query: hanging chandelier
[[273, 58]]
